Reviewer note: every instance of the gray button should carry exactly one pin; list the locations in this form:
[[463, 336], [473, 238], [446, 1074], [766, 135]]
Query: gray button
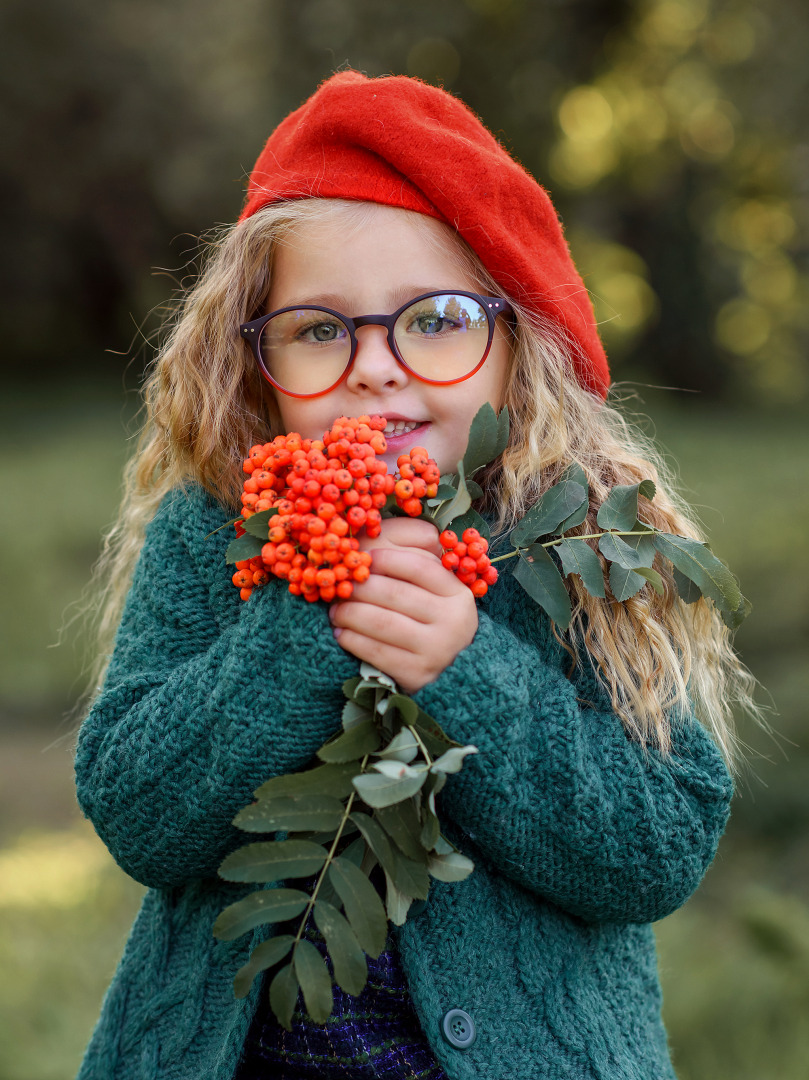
[[458, 1028]]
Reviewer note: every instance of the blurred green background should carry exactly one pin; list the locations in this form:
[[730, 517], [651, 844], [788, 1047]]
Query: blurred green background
[[673, 137]]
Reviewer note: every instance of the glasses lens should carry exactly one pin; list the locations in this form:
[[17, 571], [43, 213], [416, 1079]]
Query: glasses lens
[[305, 350], [442, 337]]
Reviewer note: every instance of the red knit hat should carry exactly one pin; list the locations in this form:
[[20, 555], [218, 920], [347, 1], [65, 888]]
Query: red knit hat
[[400, 142]]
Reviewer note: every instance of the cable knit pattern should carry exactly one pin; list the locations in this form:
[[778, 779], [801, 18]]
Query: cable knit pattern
[[580, 838]]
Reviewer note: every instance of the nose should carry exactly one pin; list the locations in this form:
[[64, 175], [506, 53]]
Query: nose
[[375, 368]]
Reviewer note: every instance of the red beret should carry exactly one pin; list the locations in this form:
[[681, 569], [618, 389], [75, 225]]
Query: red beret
[[400, 142]]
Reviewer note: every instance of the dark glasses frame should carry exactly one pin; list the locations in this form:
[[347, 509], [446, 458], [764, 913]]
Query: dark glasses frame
[[492, 305]]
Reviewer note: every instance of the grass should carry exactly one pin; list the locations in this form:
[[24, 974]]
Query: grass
[[734, 961]]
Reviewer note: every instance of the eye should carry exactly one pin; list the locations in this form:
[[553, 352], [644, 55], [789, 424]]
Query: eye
[[321, 332]]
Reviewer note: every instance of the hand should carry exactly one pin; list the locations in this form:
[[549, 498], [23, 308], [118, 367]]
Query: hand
[[412, 616]]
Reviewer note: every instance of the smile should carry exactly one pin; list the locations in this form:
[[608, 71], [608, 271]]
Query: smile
[[401, 427]]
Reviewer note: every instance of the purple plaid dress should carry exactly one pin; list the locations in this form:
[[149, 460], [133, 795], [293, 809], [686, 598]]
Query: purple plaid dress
[[376, 1034]]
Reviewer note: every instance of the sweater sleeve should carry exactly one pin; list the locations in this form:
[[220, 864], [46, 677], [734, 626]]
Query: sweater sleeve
[[205, 698], [559, 797]]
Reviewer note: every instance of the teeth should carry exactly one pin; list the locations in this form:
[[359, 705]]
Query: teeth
[[400, 427]]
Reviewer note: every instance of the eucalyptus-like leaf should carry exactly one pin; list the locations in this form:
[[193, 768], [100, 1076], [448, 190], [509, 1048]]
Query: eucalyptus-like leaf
[[264, 906], [323, 780], [620, 508], [354, 713], [624, 582], [452, 760], [397, 903], [432, 734], [401, 823], [443, 846], [350, 745], [545, 516], [313, 975], [488, 438], [455, 507], [405, 706], [539, 576], [368, 671], [273, 860], [284, 995], [363, 907], [402, 747], [474, 489], [652, 576], [243, 547], [687, 590], [444, 494], [734, 619], [579, 558], [697, 562], [391, 782], [348, 959], [430, 829], [614, 548], [291, 813], [410, 877], [265, 955], [258, 525], [452, 867], [470, 520]]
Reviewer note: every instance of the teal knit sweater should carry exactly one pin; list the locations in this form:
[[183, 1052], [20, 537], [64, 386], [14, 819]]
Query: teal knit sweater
[[580, 838]]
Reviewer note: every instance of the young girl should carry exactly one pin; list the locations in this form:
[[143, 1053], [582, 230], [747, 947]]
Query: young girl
[[601, 786]]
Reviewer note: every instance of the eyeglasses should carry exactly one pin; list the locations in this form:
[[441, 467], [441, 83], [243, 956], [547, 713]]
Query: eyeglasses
[[439, 337]]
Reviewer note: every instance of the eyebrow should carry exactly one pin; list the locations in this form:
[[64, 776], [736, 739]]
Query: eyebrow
[[339, 302]]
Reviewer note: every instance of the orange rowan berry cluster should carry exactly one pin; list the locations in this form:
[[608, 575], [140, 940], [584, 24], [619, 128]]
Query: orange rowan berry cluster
[[325, 492], [467, 559]]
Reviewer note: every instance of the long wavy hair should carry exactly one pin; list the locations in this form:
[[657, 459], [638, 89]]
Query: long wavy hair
[[205, 403]]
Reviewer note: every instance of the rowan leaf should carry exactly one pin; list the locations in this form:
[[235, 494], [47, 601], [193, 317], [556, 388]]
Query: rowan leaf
[[264, 956], [397, 902], [243, 547], [258, 525], [486, 438], [329, 779], [539, 576], [652, 576], [273, 860], [452, 760], [315, 981], [405, 706], [264, 906], [579, 558], [348, 959], [284, 995], [401, 823], [620, 508], [456, 506], [624, 582], [390, 782], [615, 549], [363, 906], [291, 813], [687, 590], [553, 507], [451, 867], [410, 877], [697, 562], [361, 739]]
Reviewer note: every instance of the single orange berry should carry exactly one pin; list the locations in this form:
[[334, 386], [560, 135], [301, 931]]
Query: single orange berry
[[245, 593], [448, 539], [479, 588]]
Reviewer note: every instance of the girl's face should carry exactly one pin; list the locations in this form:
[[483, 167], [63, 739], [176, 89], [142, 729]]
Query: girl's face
[[375, 268]]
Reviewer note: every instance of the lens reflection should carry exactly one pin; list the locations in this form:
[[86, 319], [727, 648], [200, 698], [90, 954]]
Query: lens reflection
[[306, 350], [442, 337]]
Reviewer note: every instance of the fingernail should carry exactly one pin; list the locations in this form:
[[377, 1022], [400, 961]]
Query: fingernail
[[332, 609], [337, 631]]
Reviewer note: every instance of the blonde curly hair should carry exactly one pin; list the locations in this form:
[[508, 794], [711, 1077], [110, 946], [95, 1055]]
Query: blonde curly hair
[[205, 403]]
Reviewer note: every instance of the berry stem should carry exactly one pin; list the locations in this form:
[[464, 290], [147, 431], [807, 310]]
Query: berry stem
[[582, 536]]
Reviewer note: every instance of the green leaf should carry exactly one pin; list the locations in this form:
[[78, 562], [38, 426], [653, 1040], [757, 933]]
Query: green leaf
[[652, 576], [397, 903], [579, 558], [452, 867], [402, 747], [390, 782], [405, 706], [410, 877], [323, 780], [613, 548], [698, 563], [430, 829], [264, 906], [348, 959], [452, 760], [313, 975], [258, 525], [350, 745], [624, 582], [734, 619], [555, 506], [455, 507], [401, 823], [687, 590], [470, 520], [575, 473], [368, 671], [445, 492], [485, 439], [363, 907], [292, 813], [539, 576], [273, 860], [354, 714], [620, 508], [503, 429], [432, 734], [265, 955], [243, 547], [642, 543], [284, 996]]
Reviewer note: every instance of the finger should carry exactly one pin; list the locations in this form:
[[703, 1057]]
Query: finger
[[380, 622], [388, 658], [408, 532], [416, 566]]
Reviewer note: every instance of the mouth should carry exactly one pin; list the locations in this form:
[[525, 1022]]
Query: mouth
[[396, 427]]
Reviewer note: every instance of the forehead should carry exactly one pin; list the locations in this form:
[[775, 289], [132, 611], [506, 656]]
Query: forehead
[[368, 254]]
